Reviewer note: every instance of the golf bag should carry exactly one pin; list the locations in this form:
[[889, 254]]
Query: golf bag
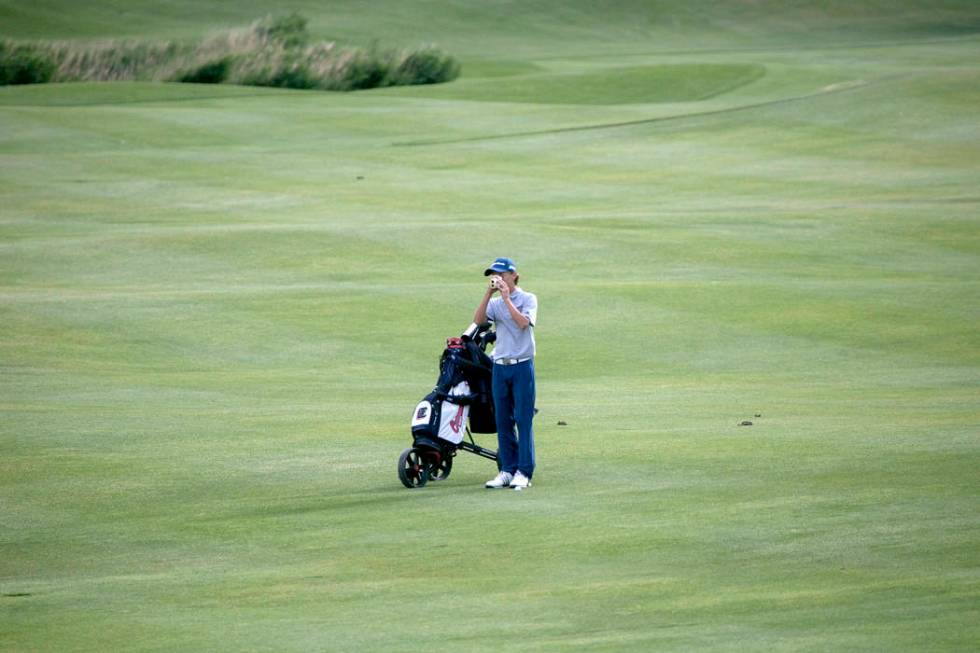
[[443, 418], [462, 396], [460, 404]]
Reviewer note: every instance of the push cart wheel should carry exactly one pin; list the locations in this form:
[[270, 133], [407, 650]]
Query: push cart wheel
[[440, 472], [412, 470]]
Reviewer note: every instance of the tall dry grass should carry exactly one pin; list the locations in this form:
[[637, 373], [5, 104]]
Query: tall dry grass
[[269, 52]]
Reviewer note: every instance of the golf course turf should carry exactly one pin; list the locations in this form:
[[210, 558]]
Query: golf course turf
[[219, 306]]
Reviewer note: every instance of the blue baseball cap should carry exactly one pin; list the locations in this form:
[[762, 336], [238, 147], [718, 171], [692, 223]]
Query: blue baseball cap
[[502, 264]]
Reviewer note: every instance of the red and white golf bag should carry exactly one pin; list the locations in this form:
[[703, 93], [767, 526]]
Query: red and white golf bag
[[437, 415]]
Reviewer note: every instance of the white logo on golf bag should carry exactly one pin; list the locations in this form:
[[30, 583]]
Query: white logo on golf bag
[[452, 421], [422, 412]]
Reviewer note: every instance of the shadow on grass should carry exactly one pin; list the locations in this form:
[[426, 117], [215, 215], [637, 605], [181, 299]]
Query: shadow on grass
[[364, 501]]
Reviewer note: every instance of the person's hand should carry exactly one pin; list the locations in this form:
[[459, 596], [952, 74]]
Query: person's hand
[[494, 281], [504, 289]]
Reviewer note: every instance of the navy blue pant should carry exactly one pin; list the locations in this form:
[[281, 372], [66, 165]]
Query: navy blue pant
[[513, 402]]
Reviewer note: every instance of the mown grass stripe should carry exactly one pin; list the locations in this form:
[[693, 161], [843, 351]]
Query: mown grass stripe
[[845, 88]]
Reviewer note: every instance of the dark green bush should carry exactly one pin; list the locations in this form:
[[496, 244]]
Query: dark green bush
[[424, 66], [209, 72], [363, 70], [24, 64], [279, 68], [292, 75]]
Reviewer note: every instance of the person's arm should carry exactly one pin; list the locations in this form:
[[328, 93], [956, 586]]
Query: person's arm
[[480, 316], [520, 320]]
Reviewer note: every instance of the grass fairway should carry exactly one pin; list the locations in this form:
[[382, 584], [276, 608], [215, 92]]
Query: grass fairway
[[218, 307]]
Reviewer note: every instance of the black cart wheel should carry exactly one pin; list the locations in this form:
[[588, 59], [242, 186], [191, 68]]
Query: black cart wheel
[[412, 470], [441, 471]]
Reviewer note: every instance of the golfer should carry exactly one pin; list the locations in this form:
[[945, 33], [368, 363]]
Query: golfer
[[513, 314]]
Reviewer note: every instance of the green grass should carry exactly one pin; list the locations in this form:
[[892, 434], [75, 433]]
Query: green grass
[[220, 304], [642, 84]]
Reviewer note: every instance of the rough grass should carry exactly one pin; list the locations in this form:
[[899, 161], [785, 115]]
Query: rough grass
[[271, 52]]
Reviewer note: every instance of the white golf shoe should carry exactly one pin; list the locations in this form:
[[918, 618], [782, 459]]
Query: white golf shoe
[[500, 480], [520, 482]]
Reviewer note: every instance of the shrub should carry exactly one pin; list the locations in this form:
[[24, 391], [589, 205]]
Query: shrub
[[291, 74], [428, 65], [209, 72], [117, 60], [272, 66], [24, 64], [270, 52], [356, 70]]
